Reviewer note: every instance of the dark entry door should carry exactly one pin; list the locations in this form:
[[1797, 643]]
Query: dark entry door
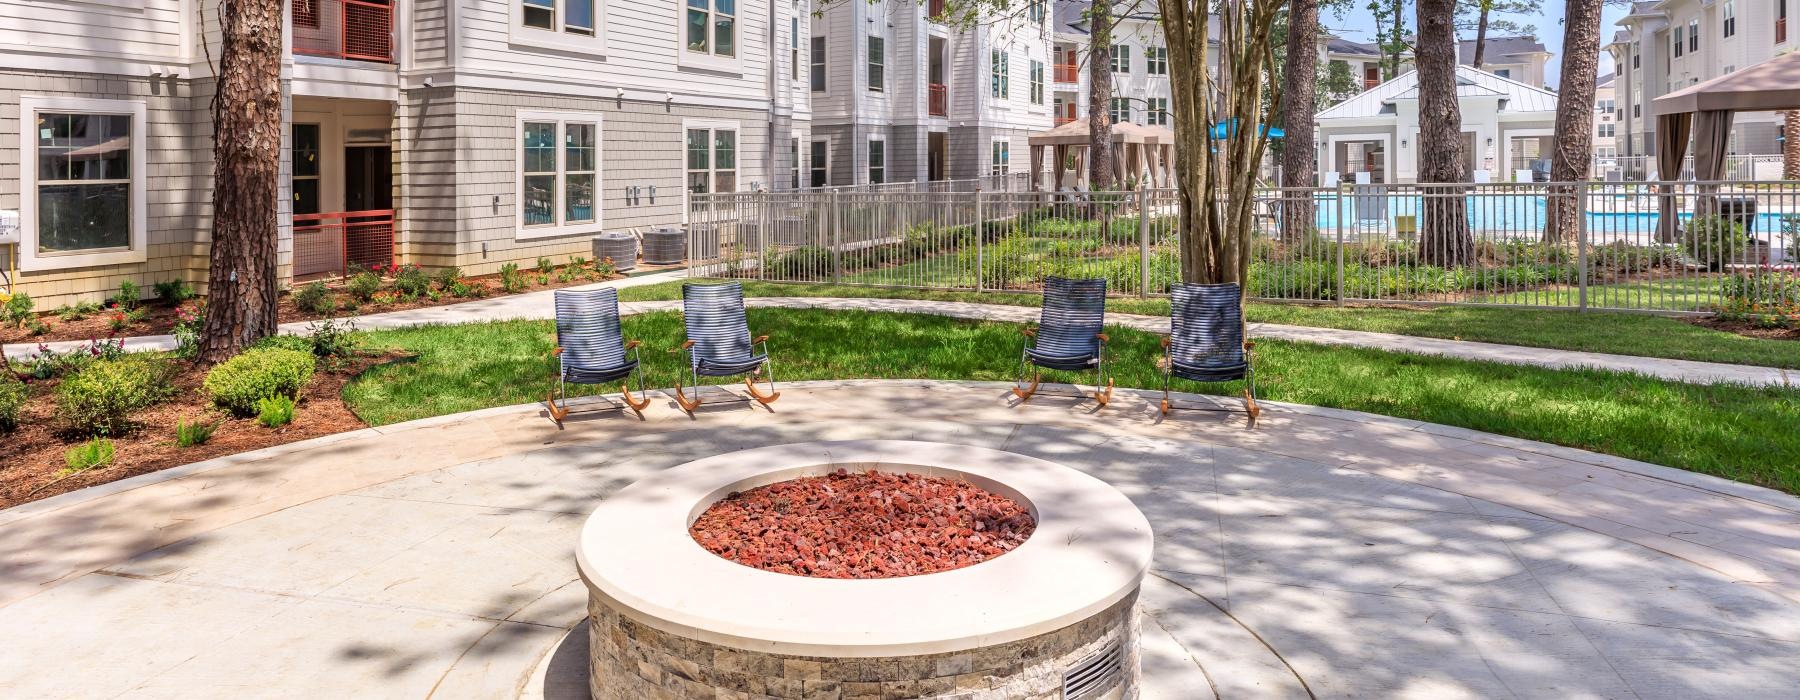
[[368, 178]]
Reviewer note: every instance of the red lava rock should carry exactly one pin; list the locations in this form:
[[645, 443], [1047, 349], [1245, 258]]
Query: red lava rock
[[863, 525]]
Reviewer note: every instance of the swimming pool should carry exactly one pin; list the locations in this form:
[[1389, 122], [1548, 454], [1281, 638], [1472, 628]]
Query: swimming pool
[[1512, 213]]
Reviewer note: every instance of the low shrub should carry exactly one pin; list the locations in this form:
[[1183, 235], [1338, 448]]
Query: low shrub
[[363, 286], [93, 454], [544, 266], [16, 312], [12, 400], [237, 384], [448, 276], [412, 280], [100, 398], [127, 298], [510, 279], [274, 411], [332, 338], [174, 291], [191, 434], [1714, 241], [188, 322], [1766, 288], [314, 298]]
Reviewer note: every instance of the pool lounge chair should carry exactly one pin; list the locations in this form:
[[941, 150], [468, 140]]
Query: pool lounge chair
[[1206, 343], [590, 349], [719, 343], [1070, 336]]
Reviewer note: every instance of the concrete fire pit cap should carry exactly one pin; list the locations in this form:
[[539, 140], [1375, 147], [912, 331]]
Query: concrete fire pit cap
[[1091, 549]]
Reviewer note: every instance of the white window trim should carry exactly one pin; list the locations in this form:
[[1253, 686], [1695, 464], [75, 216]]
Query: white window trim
[[994, 165], [709, 61], [517, 34], [521, 232], [820, 63], [713, 160], [869, 158], [869, 65], [812, 143], [29, 107]]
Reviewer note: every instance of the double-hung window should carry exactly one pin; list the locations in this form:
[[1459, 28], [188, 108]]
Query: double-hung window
[[794, 49], [711, 160], [1121, 58], [304, 151], [1036, 11], [1606, 130], [1000, 158], [794, 158], [82, 187], [1156, 60], [818, 159], [877, 161], [1693, 36], [559, 173], [818, 64], [1121, 110], [877, 64], [569, 25], [1157, 111], [571, 16], [1037, 82], [1729, 13], [997, 64], [712, 27], [1680, 40]]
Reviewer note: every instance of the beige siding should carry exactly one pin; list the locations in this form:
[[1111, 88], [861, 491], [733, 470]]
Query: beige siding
[[150, 31]]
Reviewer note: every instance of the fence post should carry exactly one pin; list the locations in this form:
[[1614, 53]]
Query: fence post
[[1144, 238], [1581, 241], [1338, 224], [840, 218], [980, 242]]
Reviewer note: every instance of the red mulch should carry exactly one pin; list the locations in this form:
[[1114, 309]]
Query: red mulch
[[863, 525], [31, 456]]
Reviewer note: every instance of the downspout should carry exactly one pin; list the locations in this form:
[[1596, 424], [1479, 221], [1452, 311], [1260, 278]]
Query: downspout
[[769, 146]]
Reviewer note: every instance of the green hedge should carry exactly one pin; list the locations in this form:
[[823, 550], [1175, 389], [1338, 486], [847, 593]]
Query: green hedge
[[240, 382], [12, 400], [99, 399]]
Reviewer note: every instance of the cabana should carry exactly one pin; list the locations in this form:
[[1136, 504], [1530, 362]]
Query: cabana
[[1136, 150], [1705, 111]]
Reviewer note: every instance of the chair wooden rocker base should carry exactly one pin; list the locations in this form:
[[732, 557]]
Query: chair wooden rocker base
[[1102, 394], [637, 405], [1250, 408], [688, 405]]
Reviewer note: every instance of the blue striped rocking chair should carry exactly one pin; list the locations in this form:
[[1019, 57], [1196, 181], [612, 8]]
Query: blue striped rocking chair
[[719, 343], [1206, 343], [591, 349], [1070, 336]]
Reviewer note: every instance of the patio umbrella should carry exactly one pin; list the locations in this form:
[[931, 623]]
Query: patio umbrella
[[1224, 129]]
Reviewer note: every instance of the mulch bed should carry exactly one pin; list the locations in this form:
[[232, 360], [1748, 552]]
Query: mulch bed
[[1745, 328], [32, 455], [863, 525]]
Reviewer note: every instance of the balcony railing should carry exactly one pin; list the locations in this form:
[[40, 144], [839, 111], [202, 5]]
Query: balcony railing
[[340, 243], [938, 99], [358, 30], [1067, 73], [934, 9], [1064, 113]]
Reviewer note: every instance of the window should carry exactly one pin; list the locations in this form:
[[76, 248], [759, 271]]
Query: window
[[1504, 72], [1637, 111], [712, 27], [305, 154], [1037, 82], [711, 160], [794, 49], [1606, 105], [1637, 60], [818, 64], [794, 159], [1606, 130], [997, 63], [577, 15], [559, 173], [1036, 10], [818, 158], [1000, 158], [1157, 111], [1729, 13], [1156, 60], [1693, 36], [1679, 43], [1121, 58], [877, 162], [81, 183], [557, 24], [877, 72], [1121, 110]]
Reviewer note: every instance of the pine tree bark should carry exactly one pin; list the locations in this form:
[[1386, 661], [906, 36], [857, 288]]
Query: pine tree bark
[[1790, 146], [1573, 154], [246, 112], [1481, 26], [1300, 80], [1100, 144], [1445, 239]]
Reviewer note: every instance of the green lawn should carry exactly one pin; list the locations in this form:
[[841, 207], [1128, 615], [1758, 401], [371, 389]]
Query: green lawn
[[1733, 432], [1619, 333], [1664, 295]]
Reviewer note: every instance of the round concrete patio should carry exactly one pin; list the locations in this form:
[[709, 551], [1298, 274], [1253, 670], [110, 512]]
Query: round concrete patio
[[1325, 553]]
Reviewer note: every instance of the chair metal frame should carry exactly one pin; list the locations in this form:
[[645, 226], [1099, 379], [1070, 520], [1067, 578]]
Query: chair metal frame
[[765, 368], [1103, 388], [558, 400]]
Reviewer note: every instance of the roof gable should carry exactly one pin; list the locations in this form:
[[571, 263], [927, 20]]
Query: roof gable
[[1514, 95]]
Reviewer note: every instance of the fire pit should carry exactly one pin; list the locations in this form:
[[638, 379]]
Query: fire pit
[[1048, 610]]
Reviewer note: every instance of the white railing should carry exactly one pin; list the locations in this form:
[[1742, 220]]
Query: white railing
[[1737, 168], [1727, 245]]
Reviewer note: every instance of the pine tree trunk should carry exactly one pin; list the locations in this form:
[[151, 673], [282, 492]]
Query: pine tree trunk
[[1790, 146], [1570, 160], [1100, 144], [1480, 38], [1398, 7], [1300, 80], [246, 112], [1445, 239]]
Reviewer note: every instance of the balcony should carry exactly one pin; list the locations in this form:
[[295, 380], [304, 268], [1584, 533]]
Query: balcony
[[356, 30], [938, 101], [1064, 113], [1067, 73], [341, 243], [934, 9], [1781, 30]]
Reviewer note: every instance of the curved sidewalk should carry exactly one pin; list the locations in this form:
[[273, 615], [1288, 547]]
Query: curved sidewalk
[[1326, 552], [541, 306]]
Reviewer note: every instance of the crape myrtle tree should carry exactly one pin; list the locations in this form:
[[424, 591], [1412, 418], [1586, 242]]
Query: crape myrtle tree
[[246, 113]]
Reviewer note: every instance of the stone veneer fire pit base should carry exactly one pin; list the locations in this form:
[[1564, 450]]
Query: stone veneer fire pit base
[[639, 661], [1053, 618]]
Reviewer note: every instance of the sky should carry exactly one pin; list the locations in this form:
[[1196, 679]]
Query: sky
[[1360, 26]]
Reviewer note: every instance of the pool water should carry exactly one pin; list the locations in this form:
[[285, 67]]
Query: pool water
[[1509, 213]]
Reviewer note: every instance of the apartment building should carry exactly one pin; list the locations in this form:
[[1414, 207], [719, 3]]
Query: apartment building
[[441, 133], [900, 94], [1606, 121], [1139, 62], [1667, 45]]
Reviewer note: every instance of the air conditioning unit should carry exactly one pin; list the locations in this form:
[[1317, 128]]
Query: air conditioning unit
[[665, 246], [621, 246]]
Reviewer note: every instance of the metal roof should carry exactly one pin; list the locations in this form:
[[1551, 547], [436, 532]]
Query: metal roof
[[1515, 96]]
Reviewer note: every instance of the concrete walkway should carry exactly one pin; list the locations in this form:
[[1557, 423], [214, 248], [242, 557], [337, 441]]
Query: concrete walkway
[[541, 305], [1326, 553]]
